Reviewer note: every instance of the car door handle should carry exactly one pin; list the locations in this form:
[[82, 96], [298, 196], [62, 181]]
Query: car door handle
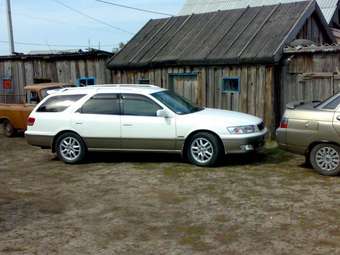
[[79, 123], [127, 125]]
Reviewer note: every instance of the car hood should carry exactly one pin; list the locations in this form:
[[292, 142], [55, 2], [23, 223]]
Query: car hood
[[231, 118]]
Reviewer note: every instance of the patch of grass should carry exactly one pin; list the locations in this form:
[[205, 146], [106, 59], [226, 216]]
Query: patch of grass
[[10, 249], [229, 235], [50, 206], [104, 235], [274, 155], [180, 170], [324, 242], [192, 236], [170, 197], [146, 166]]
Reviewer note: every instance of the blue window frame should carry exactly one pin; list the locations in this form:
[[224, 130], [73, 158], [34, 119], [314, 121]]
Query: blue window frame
[[193, 74], [143, 81], [86, 81], [231, 85]]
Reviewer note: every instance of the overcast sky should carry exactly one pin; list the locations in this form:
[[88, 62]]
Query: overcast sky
[[48, 23]]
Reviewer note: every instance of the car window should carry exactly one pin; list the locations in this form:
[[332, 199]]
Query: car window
[[332, 105], [102, 104], [138, 105], [59, 103]]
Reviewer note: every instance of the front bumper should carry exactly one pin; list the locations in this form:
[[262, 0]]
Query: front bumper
[[244, 144]]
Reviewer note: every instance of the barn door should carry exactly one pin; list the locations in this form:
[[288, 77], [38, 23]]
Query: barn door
[[186, 85]]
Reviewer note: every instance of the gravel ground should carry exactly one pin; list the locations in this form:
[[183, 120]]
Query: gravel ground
[[156, 204]]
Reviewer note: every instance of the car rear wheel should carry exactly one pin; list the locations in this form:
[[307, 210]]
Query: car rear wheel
[[203, 149], [325, 158], [70, 148], [9, 130]]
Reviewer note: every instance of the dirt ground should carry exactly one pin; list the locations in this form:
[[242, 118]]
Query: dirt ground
[[157, 204]]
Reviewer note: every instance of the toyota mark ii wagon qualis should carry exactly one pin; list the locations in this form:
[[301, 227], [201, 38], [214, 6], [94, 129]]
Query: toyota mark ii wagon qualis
[[74, 121]]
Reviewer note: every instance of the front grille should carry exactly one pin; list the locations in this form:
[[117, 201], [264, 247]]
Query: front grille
[[261, 126]]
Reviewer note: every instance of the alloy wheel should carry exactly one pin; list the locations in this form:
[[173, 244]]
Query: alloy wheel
[[70, 148], [327, 158], [202, 150]]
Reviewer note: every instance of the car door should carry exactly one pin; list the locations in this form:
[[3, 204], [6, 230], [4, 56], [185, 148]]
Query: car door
[[98, 121], [141, 128], [335, 104]]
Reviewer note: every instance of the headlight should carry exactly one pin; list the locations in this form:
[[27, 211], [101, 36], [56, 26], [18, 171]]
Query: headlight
[[243, 130]]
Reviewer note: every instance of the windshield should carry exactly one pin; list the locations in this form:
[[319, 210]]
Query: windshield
[[176, 103]]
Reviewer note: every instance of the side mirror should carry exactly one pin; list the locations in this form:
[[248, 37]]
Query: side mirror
[[163, 113]]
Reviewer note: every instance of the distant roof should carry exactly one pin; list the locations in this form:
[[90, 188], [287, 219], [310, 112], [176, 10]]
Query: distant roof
[[40, 86], [328, 7], [58, 54], [37, 52], [250, 35]]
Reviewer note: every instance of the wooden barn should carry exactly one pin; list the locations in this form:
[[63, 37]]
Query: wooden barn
[[226, 59], [74, 67]]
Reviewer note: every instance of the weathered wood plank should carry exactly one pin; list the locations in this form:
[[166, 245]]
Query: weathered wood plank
[[244, 89], [269, 118]]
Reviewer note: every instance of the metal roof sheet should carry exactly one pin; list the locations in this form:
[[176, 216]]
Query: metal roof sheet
[[328, 7]]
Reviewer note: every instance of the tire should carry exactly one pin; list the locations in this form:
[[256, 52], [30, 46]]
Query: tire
[[203, 149], [9, 130], [325, 159], [70, 148]]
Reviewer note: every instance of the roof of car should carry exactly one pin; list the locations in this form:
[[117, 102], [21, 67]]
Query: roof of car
[[114, 88]]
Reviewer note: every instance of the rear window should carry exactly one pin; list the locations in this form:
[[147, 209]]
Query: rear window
[[59, 103], [107, 104], [332, 105]]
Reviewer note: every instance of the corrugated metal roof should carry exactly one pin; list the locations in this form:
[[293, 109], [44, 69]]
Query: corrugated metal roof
[[328, 7], [249, 35]]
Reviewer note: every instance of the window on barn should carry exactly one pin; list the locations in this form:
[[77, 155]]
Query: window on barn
[[41, 80], [231, 85], [86, 81], [6, 83], [144, 81]]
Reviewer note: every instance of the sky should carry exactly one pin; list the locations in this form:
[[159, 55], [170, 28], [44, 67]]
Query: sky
[[49, 23]]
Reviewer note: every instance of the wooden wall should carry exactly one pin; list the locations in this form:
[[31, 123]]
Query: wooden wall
[[309, 76], [23, 72], [313, 30], [256, 94]]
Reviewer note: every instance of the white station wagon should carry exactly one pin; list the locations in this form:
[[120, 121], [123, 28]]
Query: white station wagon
[[74, 121]]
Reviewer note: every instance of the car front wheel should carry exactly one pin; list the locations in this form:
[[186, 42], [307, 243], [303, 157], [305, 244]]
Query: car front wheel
[[325, 158], [203, 149], [70, 148]]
